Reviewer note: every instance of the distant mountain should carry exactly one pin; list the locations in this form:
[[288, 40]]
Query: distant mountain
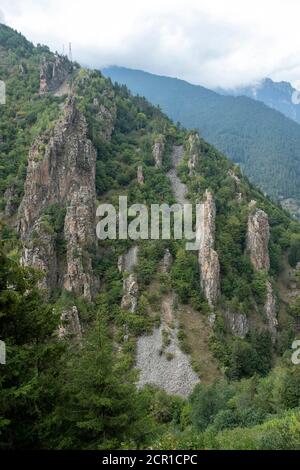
[[278, 95], [262, 140]]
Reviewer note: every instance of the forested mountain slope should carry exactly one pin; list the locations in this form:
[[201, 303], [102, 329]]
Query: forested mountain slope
[[95, 330], [278, 95], [261, 140]]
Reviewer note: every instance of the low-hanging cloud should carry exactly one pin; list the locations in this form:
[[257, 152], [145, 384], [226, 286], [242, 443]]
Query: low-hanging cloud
[[209, 42]]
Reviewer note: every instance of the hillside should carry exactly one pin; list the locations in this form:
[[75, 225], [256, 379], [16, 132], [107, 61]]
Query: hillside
[[278, 95], [134, 344], [261, 140]]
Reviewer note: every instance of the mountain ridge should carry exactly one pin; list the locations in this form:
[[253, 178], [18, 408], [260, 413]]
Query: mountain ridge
[[263, 141]]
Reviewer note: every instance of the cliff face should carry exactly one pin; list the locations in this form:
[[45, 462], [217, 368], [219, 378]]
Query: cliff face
[[237, 323], [53, 73], [61, 171], [208, 257], [258, 235]]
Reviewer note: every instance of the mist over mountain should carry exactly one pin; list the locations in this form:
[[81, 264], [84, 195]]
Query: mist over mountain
[[277, 95]]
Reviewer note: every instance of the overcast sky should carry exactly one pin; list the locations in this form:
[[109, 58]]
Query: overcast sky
[[210, 42]]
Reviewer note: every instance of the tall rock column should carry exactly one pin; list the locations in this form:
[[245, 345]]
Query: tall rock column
[[193, 152], [208, 257], [158, 150], [61, 172], [258, 236]]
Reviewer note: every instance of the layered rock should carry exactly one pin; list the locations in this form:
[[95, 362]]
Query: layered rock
[[208, 257], [258, 235], [158, 150], [53, 73], [61, 171]]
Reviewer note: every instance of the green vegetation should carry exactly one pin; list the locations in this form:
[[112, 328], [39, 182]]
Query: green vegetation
[[77, 393], [264, 142]]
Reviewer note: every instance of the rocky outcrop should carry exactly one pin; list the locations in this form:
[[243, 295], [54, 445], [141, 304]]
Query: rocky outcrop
[[140, 175], [237, 323], [70, 325], [193, 152], [130, 296], [106, 115], [179, 188], [166, 261], [61, 171], [79, 235], [39, 252], [126, 265], [158, 150], [53, 73], [208, 257], [270, 311], [258, 235]]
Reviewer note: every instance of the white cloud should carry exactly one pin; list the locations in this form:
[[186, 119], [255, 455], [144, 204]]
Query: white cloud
[[2, 18], [210, 42]]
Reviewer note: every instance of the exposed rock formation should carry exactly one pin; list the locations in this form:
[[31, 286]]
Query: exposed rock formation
[[208, 257], [104, 114], [140, 175], [178, 187], [270, 310], [158, 150], [193, 151], [258, 235], [237, 323], [166, 261], [61, 171], [39, 252], [79, 235], [126, 264], [130, 289], [53, 73], [70, 323]]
